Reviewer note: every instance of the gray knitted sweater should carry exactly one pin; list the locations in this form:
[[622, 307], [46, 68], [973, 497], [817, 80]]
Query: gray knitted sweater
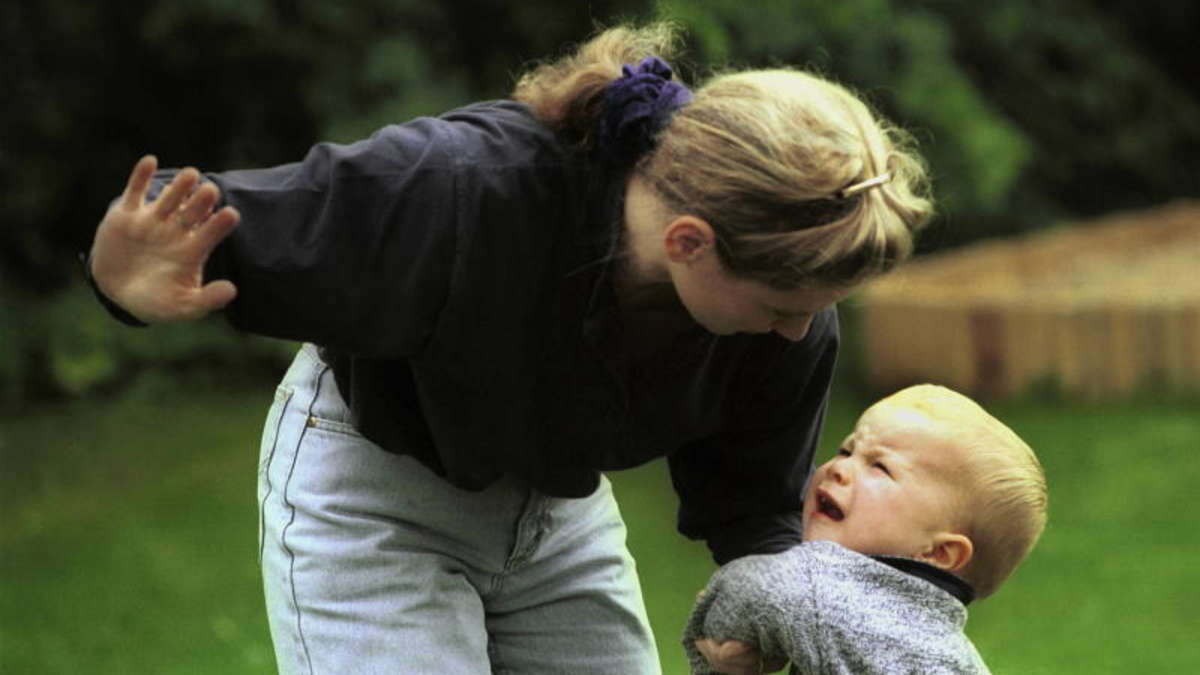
[[828, 609]]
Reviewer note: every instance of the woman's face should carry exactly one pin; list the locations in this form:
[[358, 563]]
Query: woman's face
[[725, 304]]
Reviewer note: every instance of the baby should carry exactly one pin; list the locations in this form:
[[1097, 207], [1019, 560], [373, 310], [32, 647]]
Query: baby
[[930, 503]]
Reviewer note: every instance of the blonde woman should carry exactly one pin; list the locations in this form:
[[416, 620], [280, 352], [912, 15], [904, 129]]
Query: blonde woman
[[501, 303]]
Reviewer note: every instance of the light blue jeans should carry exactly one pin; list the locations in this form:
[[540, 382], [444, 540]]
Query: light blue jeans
[[373, 564]]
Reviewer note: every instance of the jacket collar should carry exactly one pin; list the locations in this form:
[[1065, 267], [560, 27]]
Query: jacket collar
[[953, 585]]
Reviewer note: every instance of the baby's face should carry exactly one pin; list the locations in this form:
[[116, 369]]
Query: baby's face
[[890, 487]]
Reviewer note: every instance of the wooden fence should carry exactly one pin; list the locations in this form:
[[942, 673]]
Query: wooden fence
[[1100, 309]]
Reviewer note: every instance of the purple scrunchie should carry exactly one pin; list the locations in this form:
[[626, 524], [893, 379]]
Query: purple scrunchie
[[637, 106]]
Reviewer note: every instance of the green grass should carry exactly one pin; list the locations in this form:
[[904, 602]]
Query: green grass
[[129, 542]]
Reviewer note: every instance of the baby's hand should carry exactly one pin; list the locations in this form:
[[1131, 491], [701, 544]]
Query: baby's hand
[[736, 624], [148, 257], [734, 657]]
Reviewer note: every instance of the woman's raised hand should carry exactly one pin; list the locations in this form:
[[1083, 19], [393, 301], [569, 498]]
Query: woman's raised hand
[[148, 257]]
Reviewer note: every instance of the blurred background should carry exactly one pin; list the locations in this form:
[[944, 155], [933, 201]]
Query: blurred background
[[127, 457]]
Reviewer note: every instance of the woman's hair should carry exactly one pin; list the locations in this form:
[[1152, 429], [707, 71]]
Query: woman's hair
[[568, 93], [759, 155], [1001, 482]]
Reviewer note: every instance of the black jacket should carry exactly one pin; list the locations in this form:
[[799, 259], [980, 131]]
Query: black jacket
[[455, 272]]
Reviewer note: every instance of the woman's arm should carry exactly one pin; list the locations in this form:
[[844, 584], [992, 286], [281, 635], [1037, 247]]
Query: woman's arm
[[741, 490], [353, 247]]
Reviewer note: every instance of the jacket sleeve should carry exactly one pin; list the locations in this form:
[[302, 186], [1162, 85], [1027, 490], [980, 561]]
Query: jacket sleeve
[[741, 490], [353, 247]]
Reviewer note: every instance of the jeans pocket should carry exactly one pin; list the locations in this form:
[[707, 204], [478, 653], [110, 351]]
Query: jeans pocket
[[332, 426]]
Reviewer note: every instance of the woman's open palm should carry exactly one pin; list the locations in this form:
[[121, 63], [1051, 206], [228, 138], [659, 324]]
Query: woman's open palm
[[149, 257]]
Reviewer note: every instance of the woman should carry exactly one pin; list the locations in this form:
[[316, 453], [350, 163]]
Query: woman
[[502, 302]]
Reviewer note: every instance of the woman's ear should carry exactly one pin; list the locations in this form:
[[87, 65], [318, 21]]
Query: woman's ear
[[687, 238], [949, 551]]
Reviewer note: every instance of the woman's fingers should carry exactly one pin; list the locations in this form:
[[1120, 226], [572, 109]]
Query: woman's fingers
[[174, 194], [212, 231], [139, 182], [199, 205], [213, 296]]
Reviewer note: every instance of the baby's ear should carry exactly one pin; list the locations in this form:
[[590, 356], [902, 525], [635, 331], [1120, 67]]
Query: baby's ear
[[949, 551]]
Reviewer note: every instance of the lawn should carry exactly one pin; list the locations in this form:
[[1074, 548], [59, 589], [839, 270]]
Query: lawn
[[129, 539]]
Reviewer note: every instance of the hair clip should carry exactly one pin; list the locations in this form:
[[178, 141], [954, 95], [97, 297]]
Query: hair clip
[[851, 190]]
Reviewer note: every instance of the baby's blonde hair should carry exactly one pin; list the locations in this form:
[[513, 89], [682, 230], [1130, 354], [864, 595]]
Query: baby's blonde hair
[[759, 155], [1002, 485]]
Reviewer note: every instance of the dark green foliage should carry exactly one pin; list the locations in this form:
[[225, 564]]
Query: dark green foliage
[[225, 84], [214, 84], [1102, 89]]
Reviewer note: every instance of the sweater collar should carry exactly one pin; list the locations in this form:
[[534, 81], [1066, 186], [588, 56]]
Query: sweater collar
[[953, 585]]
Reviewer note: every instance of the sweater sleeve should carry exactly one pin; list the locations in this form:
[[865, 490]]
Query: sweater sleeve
[[762, 600], [741, 490]]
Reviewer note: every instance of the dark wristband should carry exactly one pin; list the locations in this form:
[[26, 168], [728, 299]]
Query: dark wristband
[[113, 308]]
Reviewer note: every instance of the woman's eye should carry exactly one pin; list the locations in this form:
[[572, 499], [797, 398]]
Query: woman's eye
[[881, 467], [842, 452]]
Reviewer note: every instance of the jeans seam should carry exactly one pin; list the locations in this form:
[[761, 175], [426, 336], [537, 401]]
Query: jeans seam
[[262, 507], [493, 652], [529, 533], [292, 516]]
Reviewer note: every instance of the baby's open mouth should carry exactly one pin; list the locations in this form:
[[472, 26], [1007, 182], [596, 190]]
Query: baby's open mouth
[[826, 506]]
